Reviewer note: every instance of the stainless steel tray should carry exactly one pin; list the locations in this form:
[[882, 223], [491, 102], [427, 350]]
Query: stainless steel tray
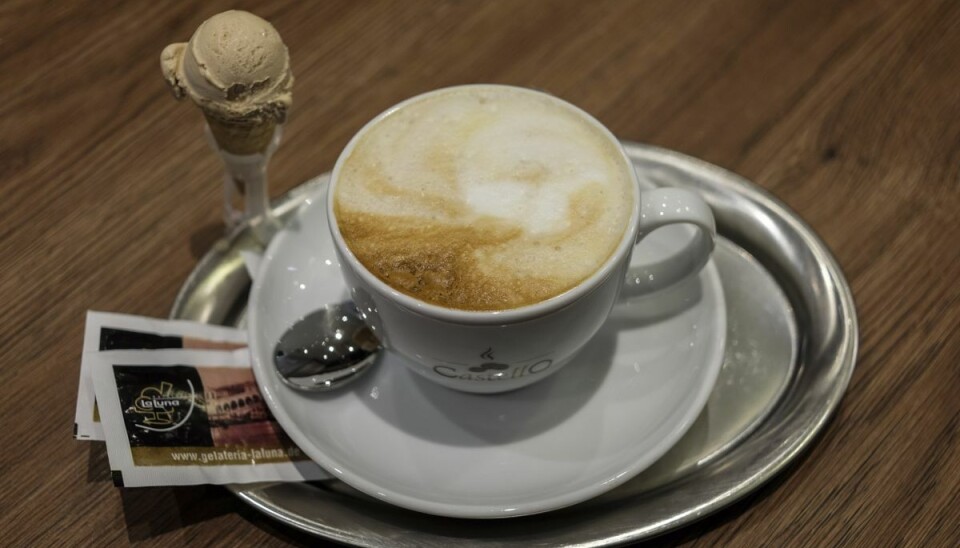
[[791, 349]]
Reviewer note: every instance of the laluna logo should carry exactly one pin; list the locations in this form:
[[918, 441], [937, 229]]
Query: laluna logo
[[161, 409], [491, 370]]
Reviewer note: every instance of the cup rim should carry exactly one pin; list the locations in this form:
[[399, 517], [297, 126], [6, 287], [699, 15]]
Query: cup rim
[[487, 317]]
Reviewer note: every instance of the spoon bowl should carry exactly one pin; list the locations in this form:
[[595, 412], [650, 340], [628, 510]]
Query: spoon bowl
[[326, 349]]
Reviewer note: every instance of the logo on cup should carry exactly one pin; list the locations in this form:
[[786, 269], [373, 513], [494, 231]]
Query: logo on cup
[[491, 370]]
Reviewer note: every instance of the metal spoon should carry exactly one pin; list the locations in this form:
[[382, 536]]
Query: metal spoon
[[326, 349]]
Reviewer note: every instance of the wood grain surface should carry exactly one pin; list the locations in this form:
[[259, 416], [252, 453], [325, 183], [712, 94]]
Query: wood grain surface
[[847, 111]]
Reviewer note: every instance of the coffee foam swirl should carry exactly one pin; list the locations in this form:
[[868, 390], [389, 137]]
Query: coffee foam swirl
[[483, 198]]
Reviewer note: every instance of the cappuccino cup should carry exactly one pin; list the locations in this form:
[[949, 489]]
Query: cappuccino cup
[[485, 232]]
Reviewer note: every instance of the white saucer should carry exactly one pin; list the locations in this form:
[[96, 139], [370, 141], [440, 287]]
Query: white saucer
[[621, 404]]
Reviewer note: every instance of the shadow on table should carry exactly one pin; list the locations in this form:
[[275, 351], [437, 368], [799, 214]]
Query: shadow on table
[[154, 511], [98, 467]]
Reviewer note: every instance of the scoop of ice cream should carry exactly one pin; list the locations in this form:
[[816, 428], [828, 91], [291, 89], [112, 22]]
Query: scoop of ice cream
[[234, 66]]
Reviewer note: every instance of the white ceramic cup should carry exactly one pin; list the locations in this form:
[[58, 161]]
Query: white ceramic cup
[[489, 352]]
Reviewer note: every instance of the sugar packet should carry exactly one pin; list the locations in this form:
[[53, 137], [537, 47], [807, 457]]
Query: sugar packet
[[108, 332], [186, 417]]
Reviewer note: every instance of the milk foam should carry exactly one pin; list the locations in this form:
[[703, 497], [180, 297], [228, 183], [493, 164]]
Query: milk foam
[[484, 198]]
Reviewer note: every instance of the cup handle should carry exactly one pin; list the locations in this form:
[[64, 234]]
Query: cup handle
[[666, 206]]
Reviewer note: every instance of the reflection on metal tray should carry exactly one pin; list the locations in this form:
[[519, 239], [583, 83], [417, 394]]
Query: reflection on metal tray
[[791, 348]]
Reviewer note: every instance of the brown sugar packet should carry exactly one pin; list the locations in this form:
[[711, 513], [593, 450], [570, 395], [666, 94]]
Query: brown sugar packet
[[186, 417]]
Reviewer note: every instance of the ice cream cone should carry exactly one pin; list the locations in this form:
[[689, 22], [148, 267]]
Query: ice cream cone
[[237, 70], [241, 136]]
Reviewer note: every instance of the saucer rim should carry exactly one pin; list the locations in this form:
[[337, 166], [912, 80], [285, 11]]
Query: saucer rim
[[712, 366]]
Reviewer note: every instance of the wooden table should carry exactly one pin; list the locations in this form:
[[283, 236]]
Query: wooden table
[[847, 111]]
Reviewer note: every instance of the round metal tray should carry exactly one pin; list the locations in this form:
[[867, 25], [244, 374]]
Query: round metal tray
[[791, 349]]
